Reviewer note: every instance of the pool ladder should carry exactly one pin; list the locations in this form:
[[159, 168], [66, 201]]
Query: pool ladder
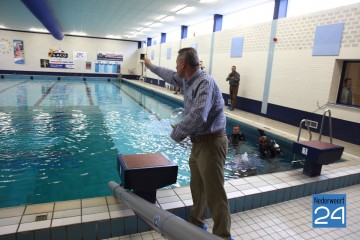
[[307, 124]]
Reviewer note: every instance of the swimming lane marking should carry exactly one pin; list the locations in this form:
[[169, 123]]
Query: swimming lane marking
[[88, 93], [44, 95], [13, 86]]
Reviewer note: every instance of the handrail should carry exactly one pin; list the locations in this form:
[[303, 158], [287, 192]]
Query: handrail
[[164, 222], [300, 127], [330, 125]]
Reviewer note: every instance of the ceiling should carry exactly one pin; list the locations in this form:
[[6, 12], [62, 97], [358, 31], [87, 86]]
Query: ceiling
[[119, 18]]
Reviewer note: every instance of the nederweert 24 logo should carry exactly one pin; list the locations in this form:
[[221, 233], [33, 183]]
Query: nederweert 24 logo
[[329, 210]]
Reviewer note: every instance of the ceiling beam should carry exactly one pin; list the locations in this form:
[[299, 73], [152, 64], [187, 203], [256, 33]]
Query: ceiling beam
[[41, 10]]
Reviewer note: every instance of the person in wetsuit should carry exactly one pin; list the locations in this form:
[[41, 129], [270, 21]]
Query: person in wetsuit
[[236, 139], [268, 148]]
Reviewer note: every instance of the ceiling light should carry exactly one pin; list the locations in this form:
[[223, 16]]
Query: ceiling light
[[156, 24], [167, 19], [207, 1], [39, 30], [185, 10], [160, 17], [78, 33], [177, 8], [113, 36], [145, 29]]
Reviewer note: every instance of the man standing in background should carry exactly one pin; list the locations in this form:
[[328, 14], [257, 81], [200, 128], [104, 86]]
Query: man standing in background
[[346, 92], [234, 81]]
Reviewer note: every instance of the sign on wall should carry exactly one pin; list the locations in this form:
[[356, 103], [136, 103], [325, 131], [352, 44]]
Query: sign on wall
[[61, 64], [110, 56], [57, 53], [79, 56], [19, 52], [237, 44], [46, 63], [107, 67], [327, 40]]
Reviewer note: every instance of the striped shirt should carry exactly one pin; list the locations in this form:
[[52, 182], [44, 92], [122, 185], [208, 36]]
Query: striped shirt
[[203, 103]]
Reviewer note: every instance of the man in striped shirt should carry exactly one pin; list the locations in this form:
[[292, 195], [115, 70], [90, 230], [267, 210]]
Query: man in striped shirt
[[204, 121]]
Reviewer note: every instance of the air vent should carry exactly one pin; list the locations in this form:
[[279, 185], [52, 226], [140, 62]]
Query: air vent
[[41, 218], [312, 124]]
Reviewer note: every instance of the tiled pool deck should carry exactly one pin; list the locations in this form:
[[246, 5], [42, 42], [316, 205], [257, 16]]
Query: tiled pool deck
[[271, 206]]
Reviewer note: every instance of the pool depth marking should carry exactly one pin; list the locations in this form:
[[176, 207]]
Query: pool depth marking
[[13, 86], [88, 93], [44, 95], [142, 105]]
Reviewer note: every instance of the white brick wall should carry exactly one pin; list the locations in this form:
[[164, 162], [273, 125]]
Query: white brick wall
[[299, 80]]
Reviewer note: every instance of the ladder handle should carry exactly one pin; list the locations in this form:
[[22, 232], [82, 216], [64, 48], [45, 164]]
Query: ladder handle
[[300, 128], [330, 125]]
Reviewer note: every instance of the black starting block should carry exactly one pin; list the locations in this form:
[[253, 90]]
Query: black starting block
[[316, 154], [145, 173]]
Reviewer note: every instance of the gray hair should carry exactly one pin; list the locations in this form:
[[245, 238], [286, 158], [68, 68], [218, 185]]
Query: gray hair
[[190, 56]]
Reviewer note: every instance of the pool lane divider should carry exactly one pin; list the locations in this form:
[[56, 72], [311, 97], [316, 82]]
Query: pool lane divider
[[142, 105], [88, 94], [44, 95], [1, 91]]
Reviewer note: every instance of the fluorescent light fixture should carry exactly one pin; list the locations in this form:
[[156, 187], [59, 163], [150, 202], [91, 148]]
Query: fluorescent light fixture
[[78, 33], [185, 10], [38, 30], [145, 29], [113, 36], [207, 1], [177, 8], [160, 17], [156, 24], [167, 19]]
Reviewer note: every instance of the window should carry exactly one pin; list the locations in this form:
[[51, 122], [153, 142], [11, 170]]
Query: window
[[349, 89]]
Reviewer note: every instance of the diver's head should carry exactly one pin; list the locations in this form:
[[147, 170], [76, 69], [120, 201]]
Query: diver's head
[[263, 141], [236, 129]]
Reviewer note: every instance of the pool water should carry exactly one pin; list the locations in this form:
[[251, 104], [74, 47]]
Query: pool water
[[60, 139]]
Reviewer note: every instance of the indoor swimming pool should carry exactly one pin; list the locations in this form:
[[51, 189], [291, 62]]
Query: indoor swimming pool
[[60, 138]]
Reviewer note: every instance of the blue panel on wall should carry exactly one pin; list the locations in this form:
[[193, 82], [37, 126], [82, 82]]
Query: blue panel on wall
[[168, 53], [152, 55], [328, 39], [194, 45], [237, 47]]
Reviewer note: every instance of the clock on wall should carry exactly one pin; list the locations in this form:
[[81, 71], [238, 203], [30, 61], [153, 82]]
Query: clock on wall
[[5, 46]]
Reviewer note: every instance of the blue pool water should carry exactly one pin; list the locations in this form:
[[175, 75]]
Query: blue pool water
[[60, 139]]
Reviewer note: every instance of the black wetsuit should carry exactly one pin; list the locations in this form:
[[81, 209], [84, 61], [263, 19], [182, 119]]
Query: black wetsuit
[[268, 150], [235, 139]]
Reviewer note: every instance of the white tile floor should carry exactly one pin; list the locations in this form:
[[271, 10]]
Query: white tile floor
[[288, 220]]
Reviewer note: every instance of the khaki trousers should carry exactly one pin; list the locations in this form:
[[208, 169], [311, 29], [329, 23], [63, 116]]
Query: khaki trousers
[[233, 94], [206, 163]]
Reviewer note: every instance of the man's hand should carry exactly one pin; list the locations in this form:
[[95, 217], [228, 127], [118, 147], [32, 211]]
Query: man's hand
[[147, 62]]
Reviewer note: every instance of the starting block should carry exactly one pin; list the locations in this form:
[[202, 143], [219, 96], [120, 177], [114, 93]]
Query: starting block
[[316, 154], [145, 173]]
